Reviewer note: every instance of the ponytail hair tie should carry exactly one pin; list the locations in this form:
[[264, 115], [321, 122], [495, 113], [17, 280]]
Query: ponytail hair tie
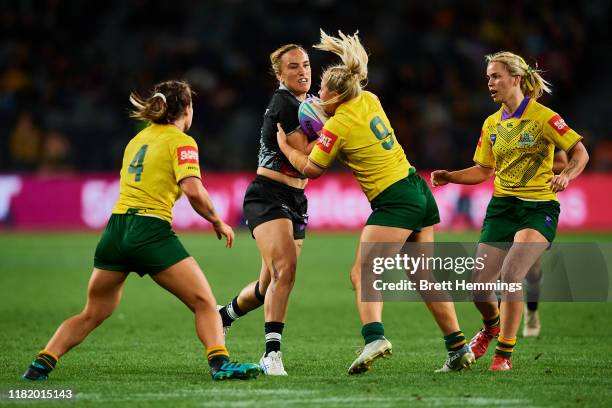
[[161, 95], [530, 72]]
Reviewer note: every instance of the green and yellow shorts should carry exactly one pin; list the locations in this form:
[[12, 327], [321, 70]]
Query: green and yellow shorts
[[141, 244], [407, 203], [508, 215]]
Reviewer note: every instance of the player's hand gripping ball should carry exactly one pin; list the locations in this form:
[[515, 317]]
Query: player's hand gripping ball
[[312, 117]]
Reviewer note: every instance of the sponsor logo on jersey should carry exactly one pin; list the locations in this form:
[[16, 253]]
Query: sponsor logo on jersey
[[187, 154], [326, 140], [558, 124]]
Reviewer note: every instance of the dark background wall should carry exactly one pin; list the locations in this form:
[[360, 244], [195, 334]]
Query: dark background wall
[[67, 67]]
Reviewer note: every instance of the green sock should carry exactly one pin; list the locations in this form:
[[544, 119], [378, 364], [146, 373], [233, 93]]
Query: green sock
[[454, 341], [505, 346], [373, 331], [491, 324]]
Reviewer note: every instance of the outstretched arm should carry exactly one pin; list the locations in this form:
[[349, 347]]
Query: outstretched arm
[[202, 204], [297, 159], [472, 175]]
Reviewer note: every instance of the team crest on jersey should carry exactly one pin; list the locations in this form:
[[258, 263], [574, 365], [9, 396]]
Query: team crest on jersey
[[493, 138], [187, 154], [526, 140], [548, 221], [326, 140], [557, 123]]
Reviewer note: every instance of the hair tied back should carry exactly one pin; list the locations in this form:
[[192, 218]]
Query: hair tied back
[[161, 95]]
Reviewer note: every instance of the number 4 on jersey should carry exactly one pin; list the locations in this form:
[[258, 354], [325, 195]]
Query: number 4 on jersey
[[136, 166]]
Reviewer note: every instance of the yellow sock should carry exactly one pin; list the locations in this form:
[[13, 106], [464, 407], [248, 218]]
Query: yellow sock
[[505, 346], [216, 351]]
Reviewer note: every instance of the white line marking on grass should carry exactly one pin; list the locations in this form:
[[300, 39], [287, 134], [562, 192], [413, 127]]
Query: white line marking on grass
[[474, 401], [192, 392], [244, 398], [383, 402]]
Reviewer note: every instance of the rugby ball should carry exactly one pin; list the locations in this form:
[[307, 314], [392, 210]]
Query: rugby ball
[[312, 117]]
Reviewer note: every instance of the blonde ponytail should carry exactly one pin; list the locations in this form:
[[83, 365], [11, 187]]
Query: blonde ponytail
[[347, 79], [532, 83]]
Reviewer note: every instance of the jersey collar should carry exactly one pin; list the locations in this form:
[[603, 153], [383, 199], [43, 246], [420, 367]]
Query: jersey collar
[[284, 88], [518, 113]]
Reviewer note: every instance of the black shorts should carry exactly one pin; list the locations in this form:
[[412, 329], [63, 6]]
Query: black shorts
[[266, 200]]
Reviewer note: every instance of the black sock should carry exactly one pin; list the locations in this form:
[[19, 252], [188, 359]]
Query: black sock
[[274, 333], [42, 365], [533, 306], [217, 355], [231, 312]]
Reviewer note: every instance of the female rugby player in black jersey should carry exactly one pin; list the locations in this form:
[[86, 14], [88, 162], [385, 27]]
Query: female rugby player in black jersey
[[275, 206]]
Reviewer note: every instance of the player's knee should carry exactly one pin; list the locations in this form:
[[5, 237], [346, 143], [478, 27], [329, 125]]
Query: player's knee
[[283, 271], [201, 301], [534, 275], [95, 317], [513, 272], [355, 277]]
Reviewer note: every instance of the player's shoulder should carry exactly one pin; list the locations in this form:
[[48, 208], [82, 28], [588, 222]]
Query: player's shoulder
[[357, 105], [539, 111], [493, 118], [283, 97], [364, 99], [370, 97], [184, 139], [172, 136]]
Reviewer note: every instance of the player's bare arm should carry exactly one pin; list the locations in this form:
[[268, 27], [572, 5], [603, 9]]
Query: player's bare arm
[[559, 162], [578, 159], [202, 204], [472, 175], [298, 140], [298, 160]]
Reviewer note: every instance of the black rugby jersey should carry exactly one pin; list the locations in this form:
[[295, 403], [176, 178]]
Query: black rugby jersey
[[283, 109]]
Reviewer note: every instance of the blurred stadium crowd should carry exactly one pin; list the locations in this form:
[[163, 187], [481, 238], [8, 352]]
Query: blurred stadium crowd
[[67, 67]]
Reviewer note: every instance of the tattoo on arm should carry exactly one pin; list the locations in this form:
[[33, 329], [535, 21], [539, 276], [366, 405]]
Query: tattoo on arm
[[569, 169]]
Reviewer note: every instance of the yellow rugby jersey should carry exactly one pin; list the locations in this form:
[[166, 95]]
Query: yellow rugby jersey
[[154, 162], [521, 148], [362, 138]]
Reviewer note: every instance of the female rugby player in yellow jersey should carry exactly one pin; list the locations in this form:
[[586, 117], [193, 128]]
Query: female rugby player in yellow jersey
[[159, 164], [275, 207], [517, 146], [360, 135]]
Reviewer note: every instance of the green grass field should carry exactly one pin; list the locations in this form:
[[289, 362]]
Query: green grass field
[[147, 353]]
